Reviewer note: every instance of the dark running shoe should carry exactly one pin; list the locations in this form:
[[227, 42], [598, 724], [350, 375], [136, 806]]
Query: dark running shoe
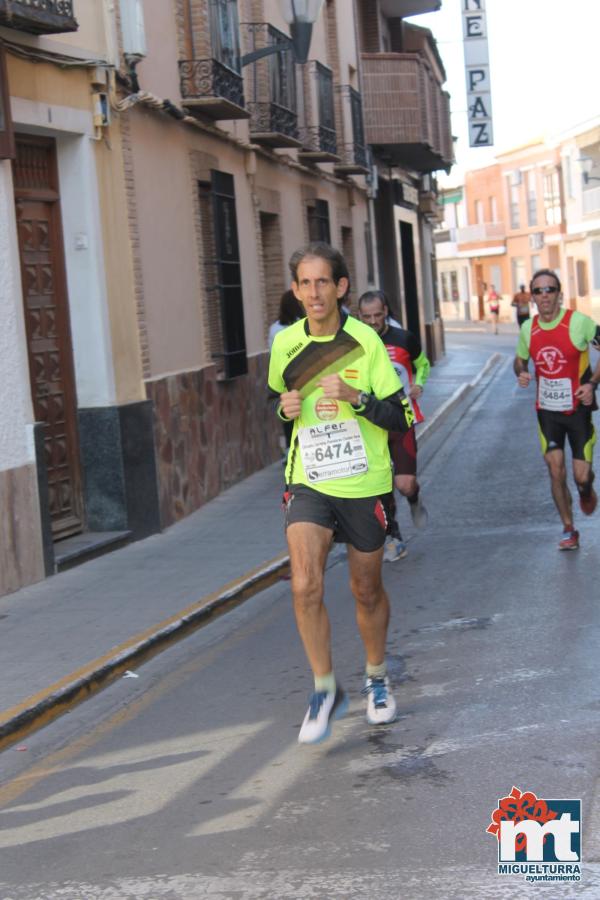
[[588, 504]]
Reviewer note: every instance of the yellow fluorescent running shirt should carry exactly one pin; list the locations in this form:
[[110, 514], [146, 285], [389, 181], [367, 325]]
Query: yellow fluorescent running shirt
[[335, 450]]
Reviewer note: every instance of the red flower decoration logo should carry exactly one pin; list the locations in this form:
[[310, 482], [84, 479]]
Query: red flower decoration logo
[[517, 807]]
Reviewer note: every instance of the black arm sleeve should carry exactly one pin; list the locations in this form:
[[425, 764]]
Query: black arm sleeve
[[272, 398], [274, 403], [413, 345], [394, 413]]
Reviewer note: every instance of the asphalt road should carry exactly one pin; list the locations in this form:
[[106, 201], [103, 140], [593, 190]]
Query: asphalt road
[[187, 782]]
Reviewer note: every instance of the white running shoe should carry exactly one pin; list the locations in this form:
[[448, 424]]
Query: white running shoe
[[323, 707], [418, 513], [394, 549], [381, 706]]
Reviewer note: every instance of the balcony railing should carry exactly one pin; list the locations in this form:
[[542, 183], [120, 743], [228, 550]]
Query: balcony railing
[[270, 88], [406, 112], [319, 144], [273, 125], [484, 231], [318, 136], [353, 160], [353, 150], [38, 16], [211, 89]]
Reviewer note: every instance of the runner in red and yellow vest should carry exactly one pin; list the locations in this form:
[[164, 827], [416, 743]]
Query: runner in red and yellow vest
[[557, 341], [559, 365]]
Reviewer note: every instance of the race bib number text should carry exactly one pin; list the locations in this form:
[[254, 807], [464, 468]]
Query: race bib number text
[[332, 450], [555, 394]]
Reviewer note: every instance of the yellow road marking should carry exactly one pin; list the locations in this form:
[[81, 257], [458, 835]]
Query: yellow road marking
[[234, 588], [19, 785]]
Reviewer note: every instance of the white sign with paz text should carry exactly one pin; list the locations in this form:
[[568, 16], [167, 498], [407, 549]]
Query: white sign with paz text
[[477, 73]]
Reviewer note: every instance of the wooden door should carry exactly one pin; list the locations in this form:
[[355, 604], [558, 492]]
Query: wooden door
[[47, 325]]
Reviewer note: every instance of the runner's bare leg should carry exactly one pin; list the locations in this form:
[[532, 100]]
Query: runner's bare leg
[[372, 604], [555, 460], [308, 547]]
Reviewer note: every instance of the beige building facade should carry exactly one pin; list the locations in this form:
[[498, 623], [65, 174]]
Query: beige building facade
[[262, 161], [155, 179]]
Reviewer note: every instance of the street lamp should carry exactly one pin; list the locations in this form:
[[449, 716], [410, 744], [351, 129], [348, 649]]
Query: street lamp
[[300, 16]]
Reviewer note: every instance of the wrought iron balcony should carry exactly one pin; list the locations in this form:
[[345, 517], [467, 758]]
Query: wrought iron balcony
[[209, 88], [270, 87], [353, 152], [273, 125], [319, 144], [319, 137], [353, 160], [38, 16]]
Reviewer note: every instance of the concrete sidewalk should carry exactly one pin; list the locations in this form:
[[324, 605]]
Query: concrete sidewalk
[[70, 635]]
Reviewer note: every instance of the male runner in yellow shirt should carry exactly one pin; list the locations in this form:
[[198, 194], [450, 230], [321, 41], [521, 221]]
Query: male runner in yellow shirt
[[332, 376]]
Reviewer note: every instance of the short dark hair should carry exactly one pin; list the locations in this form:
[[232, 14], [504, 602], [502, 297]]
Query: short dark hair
[[321, 250], [369, 296], [290, 309], [548, 272]]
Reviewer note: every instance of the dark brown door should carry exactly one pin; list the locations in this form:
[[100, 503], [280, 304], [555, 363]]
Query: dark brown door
[[47, 324]]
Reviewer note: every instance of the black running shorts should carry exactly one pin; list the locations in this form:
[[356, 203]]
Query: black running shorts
[[577, 427], [359, 521]]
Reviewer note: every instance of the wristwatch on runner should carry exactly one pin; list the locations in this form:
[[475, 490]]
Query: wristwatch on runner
[[363, 399]]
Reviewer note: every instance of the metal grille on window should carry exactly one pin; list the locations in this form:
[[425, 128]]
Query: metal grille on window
[[318, 222], [225, 307]]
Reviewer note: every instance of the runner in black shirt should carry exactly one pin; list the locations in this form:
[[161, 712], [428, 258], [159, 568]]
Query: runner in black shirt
[[413, 367]]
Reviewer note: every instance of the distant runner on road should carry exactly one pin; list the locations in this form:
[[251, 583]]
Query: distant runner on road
[[412, 366], [332, 376], [557, 341]]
